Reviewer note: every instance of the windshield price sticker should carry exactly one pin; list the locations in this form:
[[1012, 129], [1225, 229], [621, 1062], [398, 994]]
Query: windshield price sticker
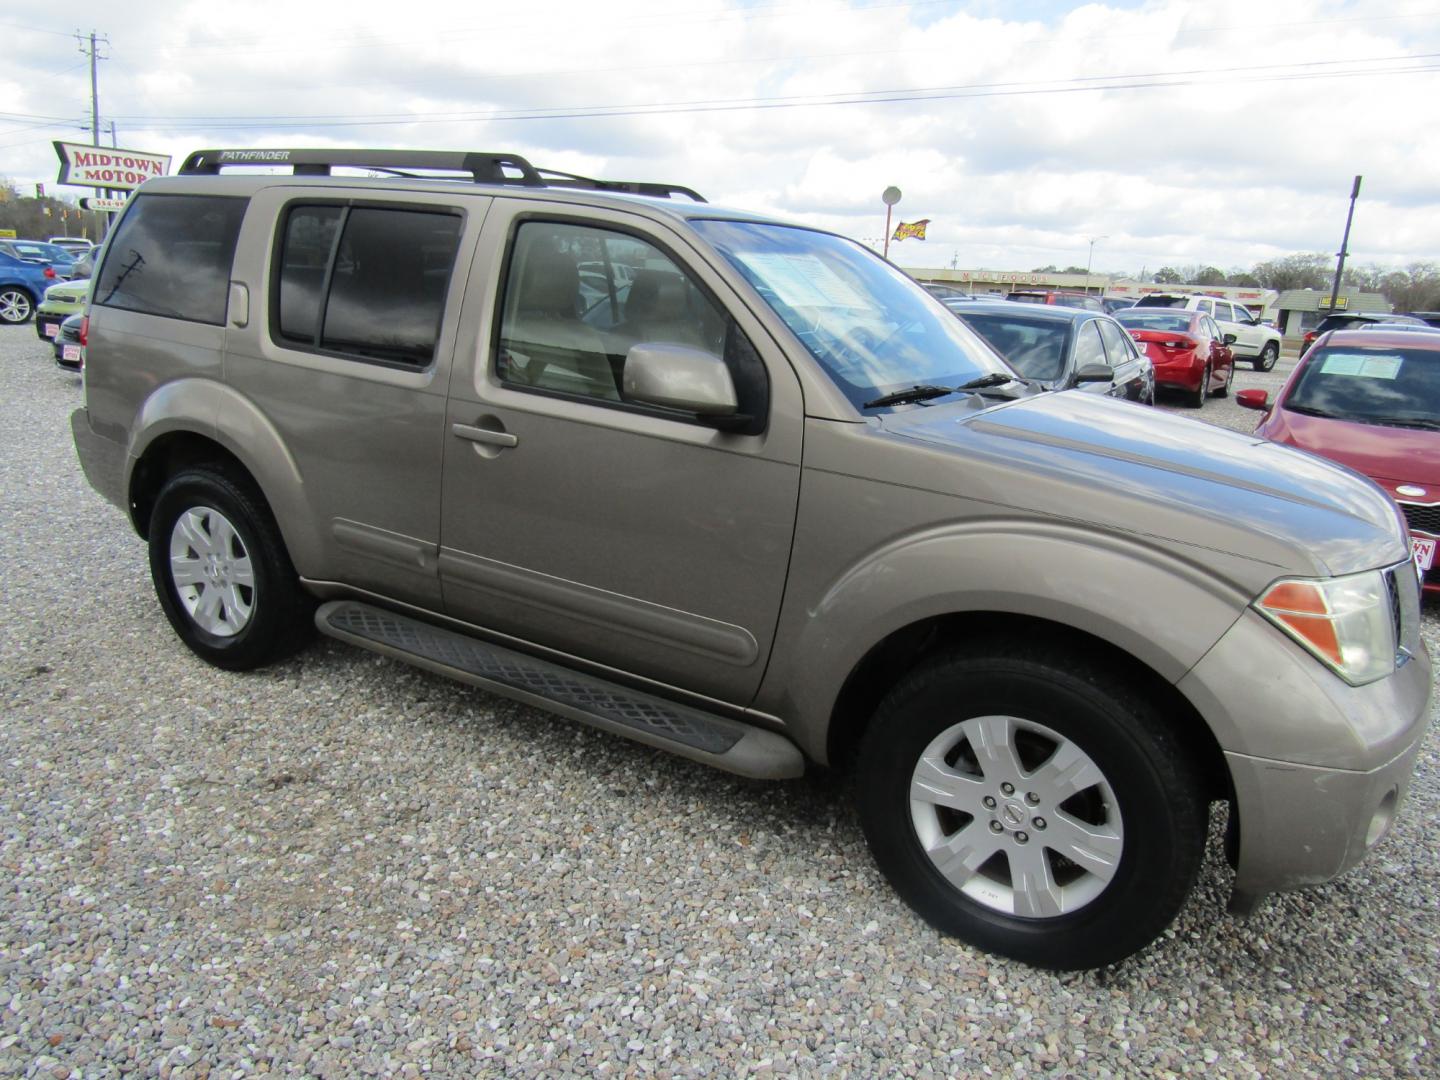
[[1423, 548], [1362, 365], [801, 280]]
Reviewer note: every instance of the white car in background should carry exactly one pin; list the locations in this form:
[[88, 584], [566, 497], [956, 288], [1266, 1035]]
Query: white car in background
[[1255, 341]]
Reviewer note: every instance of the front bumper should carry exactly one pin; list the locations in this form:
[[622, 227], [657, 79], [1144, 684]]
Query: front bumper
[[1319, 768]]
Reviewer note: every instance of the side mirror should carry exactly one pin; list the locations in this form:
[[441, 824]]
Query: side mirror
[[1253, 399], [679, 377], [1230, 339], [1094, 373]]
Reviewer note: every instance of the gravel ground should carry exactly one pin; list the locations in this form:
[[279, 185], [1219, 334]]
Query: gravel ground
[[342, 866]]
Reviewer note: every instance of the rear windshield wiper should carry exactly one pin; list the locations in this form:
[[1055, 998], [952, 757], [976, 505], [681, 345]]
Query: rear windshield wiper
[[926, 391]]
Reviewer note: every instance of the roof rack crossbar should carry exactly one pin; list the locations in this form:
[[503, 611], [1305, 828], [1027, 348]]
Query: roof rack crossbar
[[483, 168]]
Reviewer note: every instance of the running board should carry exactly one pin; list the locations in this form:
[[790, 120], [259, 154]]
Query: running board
[[691, 733]]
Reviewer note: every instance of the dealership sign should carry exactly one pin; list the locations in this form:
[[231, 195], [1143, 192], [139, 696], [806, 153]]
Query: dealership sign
[[107, 167], [110, 205]]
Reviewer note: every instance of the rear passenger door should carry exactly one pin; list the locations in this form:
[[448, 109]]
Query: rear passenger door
[[632, 537], [346, 351]]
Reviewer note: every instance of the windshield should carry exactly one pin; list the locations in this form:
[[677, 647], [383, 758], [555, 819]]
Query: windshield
[[872, 328], [1153, 319], [1036, 348], [1370, 385]]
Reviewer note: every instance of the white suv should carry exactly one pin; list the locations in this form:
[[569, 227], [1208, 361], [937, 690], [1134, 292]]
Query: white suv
[[1254, 341]]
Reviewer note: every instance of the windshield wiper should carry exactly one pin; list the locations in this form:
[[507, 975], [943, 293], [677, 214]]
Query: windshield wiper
[[926, 391], [1311, 410], [1423, 422]]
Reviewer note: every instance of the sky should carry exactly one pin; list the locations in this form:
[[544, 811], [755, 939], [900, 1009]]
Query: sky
[[1169, 133]]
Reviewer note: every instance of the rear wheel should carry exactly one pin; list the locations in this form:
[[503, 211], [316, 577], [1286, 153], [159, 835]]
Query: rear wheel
[[1196, 398], [16, 306], [1224, 391], [222, 573], [1268, 355], [1031, 806]]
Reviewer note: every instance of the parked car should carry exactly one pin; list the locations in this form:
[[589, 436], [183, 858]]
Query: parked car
[[78, 245], [1348, 320], [22, 282], [1396, 328], [784, 509], [1188, 349], [1255, 341], [63, 263], [61, 300], [69, 344], [1112, 304], [1430, 318], [1061, 348], [944, 292], [1058, 297], [1370, 399]]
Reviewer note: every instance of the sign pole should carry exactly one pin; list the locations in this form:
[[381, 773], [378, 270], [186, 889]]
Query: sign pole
[[1344, 244], [889, 197]]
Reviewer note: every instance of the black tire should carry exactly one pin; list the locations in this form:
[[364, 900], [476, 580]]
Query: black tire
[[1268, 355], [1196, 398], [1224, 391], [16, 305], [1148, 786], [271, 616]]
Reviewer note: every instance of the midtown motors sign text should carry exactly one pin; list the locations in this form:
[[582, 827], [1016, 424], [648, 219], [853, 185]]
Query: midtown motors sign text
[[101, 167]]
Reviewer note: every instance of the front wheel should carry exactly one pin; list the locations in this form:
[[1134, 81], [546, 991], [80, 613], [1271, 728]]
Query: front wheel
[[16, 306], [1268, 355], [222, 573], [1031, 807]]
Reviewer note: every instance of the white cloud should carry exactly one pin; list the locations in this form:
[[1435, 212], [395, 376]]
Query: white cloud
[[1033, 140]]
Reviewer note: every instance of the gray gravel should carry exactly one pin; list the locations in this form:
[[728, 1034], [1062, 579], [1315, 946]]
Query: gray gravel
[[342, 866]]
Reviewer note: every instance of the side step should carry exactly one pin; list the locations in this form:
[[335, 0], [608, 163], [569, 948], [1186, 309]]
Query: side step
[[691, 733]]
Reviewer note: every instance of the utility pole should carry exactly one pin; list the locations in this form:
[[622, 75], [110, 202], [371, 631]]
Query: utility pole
[[1344, 245], [93, 48]]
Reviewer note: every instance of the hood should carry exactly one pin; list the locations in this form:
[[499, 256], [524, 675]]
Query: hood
[[1394, 454], [69, 292], [1131, 469]]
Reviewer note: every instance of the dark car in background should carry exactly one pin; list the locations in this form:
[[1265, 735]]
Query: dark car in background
[[1188, 349], [1370, 400], [1349, 320], [1056, 298], [1112, 304], [69, 343], [944, 292], [1061, 348]]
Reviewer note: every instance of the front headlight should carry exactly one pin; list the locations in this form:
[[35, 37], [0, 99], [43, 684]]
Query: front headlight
[[1354, 624]]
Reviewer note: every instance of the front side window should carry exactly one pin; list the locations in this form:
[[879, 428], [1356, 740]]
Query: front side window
[[870, 327], [1089, 349], [171, 256], [578, 298], [365, 281], [1117, 342]]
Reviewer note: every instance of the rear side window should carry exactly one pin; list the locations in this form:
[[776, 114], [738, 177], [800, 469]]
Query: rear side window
[[366, 281], [171, 256]]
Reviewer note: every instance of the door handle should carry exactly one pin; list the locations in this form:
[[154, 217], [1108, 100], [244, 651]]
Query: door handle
[[484, 435]]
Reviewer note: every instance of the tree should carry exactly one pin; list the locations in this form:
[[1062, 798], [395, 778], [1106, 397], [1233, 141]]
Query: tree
[[1308, 271], [1044, 269], [1167, 275], [1209, 275]]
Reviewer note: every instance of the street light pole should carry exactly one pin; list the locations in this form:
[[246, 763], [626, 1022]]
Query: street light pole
[[1344, 245], [1091, 258]]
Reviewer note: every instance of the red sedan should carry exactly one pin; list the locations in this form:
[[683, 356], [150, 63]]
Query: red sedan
[[1188, 349], [1370, 400]]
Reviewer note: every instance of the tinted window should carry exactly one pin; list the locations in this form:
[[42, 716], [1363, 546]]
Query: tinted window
[[1224, 312], [171, 256], [1089, 349], [1161, 301], [304, 257], [387, 287], [1034, 347], [1377, 385], [1143, 319]]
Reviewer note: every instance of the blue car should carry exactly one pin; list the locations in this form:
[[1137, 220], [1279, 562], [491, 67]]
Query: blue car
[[22, 283]]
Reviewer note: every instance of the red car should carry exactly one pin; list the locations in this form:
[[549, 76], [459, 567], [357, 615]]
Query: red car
[[1370, 400], [1188, 349]]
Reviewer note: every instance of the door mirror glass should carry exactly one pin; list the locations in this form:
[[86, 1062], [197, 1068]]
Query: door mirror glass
[[1093, 373]]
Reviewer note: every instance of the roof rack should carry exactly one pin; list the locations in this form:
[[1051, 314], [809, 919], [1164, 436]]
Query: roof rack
[[483, 168]]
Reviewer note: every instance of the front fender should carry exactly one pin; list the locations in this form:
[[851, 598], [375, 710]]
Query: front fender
[[1162, 608], [215, 411]]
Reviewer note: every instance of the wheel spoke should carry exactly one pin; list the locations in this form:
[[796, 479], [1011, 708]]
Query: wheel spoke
[[191, 527], [961, 854], [934, 782], [1068, 771], [1095, 848], [1036, 894], [186, 571], [242, 572], [992, 738], [225, 538], [237, 611], [207, 608]]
